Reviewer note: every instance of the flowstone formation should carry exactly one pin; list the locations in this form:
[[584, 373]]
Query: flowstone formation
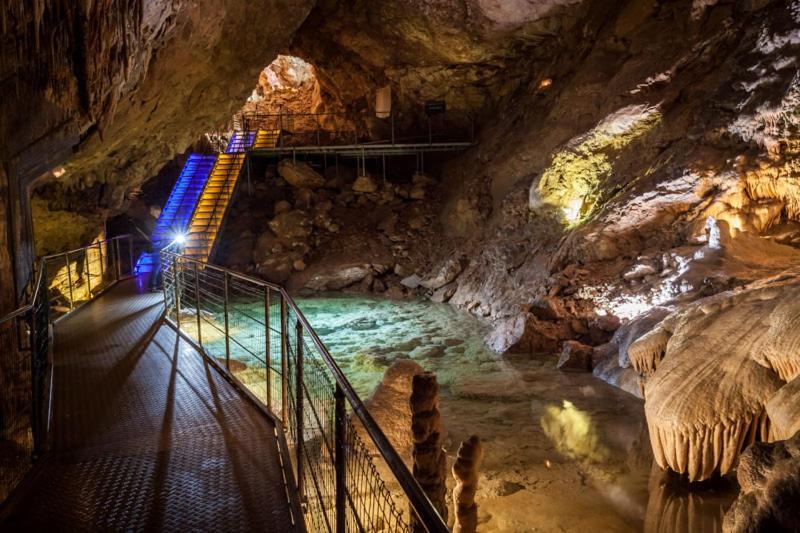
[[713, 368], [430, 461]]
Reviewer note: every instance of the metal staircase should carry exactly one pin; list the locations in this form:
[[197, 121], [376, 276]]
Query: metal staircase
[[209, 215], [178, 210], [266, 139]]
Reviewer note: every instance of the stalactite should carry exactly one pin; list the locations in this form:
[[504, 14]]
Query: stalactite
[[648, 350], [465, 471], [428, 455]]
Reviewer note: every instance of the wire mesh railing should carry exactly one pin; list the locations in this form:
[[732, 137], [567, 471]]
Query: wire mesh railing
[[63, 282], [75, 277], [261, 340]]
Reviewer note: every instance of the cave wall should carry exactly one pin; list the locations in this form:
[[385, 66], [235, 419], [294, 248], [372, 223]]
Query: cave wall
[[113, 90]]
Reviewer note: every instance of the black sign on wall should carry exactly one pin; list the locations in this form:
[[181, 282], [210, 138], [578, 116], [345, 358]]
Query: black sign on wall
[[435, 107]]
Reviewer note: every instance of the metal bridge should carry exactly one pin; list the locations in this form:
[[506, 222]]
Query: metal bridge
[[211, 405]]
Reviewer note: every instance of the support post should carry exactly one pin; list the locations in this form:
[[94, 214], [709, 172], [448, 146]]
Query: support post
[[102, 268], [88, 274], [392, 118], [284, 364], [117, 258], [176, 290], [163, 278], [267, 355], [69, 280], [197, 301], [130, 254], [341, 496], [299, 406], [227, 324]]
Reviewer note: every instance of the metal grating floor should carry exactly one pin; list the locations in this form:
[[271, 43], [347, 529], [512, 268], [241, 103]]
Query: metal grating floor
[[147, 435]]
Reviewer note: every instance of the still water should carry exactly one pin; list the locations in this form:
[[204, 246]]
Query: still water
[[563, 451]]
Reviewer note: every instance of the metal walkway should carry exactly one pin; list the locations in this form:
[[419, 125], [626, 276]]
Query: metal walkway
[[146, 435]]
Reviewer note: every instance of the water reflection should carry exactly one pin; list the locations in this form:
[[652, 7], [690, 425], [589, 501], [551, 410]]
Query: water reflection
[[572, 432], [677, 507]]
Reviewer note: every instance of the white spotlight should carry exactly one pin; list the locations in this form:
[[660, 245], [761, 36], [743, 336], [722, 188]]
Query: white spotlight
[[180, 239]]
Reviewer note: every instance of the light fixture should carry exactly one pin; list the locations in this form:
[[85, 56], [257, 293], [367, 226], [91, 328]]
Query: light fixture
[[58, 172], [180, 239]]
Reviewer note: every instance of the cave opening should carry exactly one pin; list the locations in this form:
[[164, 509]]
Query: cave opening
[[549, 247]]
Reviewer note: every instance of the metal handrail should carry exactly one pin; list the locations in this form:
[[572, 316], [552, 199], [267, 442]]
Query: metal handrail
[[419, 501], [422, 507]]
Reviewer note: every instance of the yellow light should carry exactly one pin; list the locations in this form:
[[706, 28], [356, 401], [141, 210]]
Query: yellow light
[[572, 211], [545, 83]]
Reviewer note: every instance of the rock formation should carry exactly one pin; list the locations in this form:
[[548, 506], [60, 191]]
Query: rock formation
[[465, 471], [712, 369], [430, 461], [769, 476]]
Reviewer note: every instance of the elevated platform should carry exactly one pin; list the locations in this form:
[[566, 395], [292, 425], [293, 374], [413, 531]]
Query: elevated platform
[[362, 150], [146, 435]]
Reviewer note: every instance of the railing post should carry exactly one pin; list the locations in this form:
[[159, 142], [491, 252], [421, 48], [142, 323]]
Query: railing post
[[284, 364], [163, 278], [69, 280], [299, 405], [117, 261], [227, 324], [176, 290], [130, 254], [88, 274], [267, 355], [102, 269], [340, 446], [392, 117], [197, 301]]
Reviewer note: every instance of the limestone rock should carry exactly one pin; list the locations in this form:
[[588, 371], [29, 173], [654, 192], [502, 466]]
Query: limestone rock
[[783, 411], [291, 225], [547, 308], [449, 270], [465, 471], [769, 476], [364, 184], [339, 278], [575, 356], [524, 333], [282, 206], [300, 175], [277, 267]]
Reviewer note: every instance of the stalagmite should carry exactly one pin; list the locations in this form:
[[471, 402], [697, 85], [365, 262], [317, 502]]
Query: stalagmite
[[465, 471], [429, 458]]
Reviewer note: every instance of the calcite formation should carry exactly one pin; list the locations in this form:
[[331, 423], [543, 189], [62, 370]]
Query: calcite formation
[[769, 476], [430, 462], [712, 369], [465, 471]]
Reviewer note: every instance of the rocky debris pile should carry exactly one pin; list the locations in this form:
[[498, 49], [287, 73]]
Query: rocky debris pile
[[546, 323], [769, 477]]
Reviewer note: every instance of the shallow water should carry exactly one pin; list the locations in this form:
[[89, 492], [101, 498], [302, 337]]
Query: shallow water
[[563, 451]]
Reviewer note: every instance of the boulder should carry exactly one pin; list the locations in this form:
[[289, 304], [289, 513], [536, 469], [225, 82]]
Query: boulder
[[547, 308], [443, 294], [412, 282], [769, 476], [449, 270], [364, 184], [300, 175], [291, 225], [276, 268], [337, 279], [525, 333], [282, 206], [575, 356], [266, 245]]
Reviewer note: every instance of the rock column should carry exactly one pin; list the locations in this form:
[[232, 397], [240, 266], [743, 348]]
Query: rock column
[[429, 457], [465, 470]]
